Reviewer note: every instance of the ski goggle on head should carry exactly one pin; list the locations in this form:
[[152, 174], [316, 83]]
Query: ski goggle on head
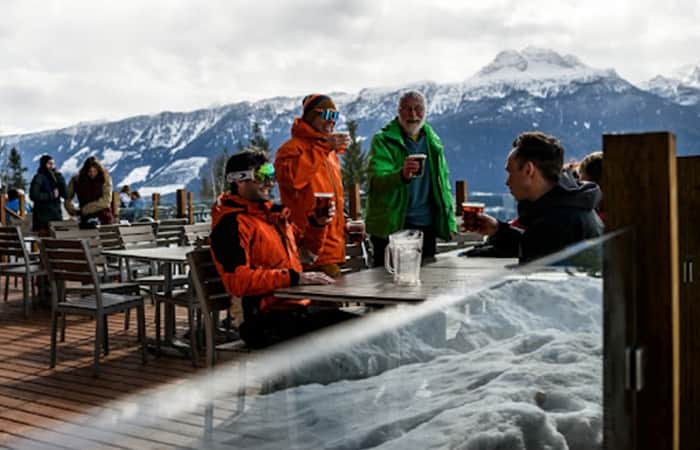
[[263, 174], [328, 114]]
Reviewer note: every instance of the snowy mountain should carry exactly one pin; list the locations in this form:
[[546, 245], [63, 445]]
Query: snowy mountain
[[682, 86], [477, 120]]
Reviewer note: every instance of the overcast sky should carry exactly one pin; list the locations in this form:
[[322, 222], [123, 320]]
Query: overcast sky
[[62, 62]]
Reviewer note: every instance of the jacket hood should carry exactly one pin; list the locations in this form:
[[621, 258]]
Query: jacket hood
[[567, 193], [393, 131], [304, 130]]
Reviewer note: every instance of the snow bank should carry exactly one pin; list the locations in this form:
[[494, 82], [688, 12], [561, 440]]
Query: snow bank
[[521, 369]]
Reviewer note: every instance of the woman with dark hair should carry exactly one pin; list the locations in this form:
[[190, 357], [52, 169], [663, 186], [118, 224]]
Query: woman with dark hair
[[46, 190], [93, 186]]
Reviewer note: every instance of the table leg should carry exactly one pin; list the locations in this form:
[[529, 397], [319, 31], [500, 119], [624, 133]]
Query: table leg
[[169, 308]]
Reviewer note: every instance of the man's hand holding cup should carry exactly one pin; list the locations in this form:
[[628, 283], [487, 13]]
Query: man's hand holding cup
[[474, 219], [324, 208], [413, 166], [338, 141]]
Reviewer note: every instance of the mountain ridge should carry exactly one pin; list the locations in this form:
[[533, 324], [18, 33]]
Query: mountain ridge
[[477, 119]]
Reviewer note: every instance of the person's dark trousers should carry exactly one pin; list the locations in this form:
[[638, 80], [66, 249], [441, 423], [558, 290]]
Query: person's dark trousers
[[429, 244], [260, 329]]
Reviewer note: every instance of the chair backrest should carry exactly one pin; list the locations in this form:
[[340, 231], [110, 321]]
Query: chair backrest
[[109, 235], [197, 233], [170, 231], [12, 243], [210, 291], [62, 225], [70, 260], [137, 236], [356, 257], [91, 235]]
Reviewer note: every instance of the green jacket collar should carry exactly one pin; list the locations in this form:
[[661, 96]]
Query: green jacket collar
[[392, 131]]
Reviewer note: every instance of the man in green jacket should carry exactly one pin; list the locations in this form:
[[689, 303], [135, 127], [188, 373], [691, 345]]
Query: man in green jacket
[[405, 191]]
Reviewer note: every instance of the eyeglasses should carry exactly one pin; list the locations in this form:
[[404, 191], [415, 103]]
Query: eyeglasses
[[264, 174], [329, 114]]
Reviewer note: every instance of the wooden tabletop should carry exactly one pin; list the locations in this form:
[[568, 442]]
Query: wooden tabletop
[[446, 274], [159, 254]]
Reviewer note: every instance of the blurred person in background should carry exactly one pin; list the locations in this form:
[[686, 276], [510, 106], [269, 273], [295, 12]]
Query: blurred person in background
[[46, 190], [93, 187]]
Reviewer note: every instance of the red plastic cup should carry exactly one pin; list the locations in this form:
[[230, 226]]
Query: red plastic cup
[[470, 210], [420, 158], [356, 231], [323, 203]]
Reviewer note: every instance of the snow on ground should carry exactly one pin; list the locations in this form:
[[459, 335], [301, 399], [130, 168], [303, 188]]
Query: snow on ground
[[136, 175], [521, 370]]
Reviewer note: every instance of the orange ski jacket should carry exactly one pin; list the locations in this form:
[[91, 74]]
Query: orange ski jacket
[[254, 247], [304, 165]]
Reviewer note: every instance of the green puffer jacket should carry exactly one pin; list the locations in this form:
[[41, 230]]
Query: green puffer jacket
[[387, 198]]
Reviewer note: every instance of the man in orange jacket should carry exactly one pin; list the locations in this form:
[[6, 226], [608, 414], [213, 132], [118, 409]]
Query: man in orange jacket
[[254, 247], [307, 164]]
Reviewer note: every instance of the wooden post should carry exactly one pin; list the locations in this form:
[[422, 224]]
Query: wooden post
[[354, 202], [190, 207], [3, 214], [641, 284], [22, 205], [180, 195], [461, 196], [115, 206], [155, 198], [689, 248]]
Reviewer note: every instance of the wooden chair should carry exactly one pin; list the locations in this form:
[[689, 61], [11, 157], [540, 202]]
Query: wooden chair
[[109, 235], [213, 298], [356, 258], [62, 225], [108, 274], [73, 261], [111, 276], [24, 266], [210, 294], [197, 233], [170, 232]]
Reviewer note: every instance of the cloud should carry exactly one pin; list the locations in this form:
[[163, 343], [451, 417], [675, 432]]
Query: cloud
[[85, 60]]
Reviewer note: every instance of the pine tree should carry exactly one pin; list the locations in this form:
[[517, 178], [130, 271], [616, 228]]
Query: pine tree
[[258, 140], [206, 190], [354, 160], [218, 173], [16, 176]]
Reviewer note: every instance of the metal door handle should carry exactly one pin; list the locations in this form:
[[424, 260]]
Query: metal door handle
[[690, 271], [639, 369]]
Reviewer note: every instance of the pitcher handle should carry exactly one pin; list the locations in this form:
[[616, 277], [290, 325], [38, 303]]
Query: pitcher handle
[[387, 258]]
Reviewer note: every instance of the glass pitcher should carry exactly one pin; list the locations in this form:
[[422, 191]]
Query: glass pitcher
[[402, 256]]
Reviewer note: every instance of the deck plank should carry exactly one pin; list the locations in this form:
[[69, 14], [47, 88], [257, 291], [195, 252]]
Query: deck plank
[[46, 408]]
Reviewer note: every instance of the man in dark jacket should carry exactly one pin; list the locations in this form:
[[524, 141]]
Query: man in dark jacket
[[47, 188], [555, 210]]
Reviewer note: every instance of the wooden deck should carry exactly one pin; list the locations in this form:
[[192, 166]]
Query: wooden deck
[[54, 402]]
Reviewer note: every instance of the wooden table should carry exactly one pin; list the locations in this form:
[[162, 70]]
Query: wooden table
[[375, 286], [165, 257]]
